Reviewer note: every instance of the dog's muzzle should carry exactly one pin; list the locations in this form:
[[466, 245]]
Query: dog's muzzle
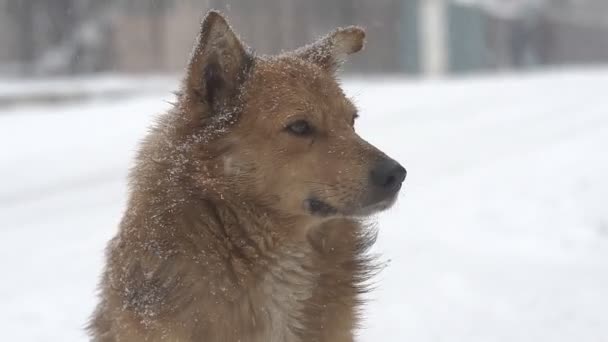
[[385, 181]]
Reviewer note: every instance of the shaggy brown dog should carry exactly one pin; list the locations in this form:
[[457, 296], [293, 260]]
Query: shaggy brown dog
[[246, 202]]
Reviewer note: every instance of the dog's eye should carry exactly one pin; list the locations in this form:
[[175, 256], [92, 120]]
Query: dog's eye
[[300, 128]]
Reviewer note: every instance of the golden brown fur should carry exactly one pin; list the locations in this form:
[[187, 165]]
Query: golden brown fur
[[237, 228]]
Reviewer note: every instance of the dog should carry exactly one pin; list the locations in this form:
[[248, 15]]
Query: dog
[[248, 203]]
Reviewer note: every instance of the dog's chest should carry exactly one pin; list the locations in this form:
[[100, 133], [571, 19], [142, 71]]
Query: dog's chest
[[284, 289]]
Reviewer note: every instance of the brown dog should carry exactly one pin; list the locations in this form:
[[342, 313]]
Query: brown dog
[[246, 203]]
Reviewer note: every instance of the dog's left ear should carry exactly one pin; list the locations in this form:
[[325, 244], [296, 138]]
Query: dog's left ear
[[218, 64], [331, 51]]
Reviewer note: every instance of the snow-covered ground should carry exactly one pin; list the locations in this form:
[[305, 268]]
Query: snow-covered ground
[[501, 232], [14, 92]]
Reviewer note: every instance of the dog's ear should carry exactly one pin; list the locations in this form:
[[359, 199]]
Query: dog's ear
[[331, 51], [218, 64]]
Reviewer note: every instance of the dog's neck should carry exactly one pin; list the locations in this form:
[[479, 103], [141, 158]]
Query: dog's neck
[[251, 229], [252, 225], [274, 266]]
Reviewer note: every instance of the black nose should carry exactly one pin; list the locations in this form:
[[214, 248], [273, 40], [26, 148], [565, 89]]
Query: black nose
[[388, 175]]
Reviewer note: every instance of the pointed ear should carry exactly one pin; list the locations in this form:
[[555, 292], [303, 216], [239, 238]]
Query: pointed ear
[[218, 64], [331, 51]]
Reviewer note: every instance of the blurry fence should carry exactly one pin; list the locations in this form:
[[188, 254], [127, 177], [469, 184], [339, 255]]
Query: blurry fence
[[74, 36]]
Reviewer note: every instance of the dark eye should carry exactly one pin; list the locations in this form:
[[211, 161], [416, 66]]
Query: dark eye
[[300, 128]]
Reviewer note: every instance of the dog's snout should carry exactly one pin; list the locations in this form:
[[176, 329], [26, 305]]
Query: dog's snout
[[388, 175]]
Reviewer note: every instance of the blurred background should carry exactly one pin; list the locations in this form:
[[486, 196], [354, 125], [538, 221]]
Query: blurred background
[[413, 37], [497, 108]]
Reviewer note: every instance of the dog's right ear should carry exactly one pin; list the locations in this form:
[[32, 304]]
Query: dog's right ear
[[331, 51], [218, 64]]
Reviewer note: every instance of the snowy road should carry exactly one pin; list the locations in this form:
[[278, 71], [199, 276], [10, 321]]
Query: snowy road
[[501, 232]]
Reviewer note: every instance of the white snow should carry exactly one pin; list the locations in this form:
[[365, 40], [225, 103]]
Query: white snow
[[500, 234], [15, 91]]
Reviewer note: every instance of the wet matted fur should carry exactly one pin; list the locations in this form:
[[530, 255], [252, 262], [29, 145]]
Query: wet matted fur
[[247, 202]]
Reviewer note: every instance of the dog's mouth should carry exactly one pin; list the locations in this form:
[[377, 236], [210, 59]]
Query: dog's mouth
[[317, 207], [374, 208]]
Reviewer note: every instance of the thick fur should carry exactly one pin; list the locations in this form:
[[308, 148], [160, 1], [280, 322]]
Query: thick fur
[[217, 242]]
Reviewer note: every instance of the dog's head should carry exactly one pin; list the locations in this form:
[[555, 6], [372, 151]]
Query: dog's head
[[289, 131]]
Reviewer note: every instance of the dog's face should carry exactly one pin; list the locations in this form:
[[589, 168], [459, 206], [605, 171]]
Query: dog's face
[[294, 145], [296, 141]]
